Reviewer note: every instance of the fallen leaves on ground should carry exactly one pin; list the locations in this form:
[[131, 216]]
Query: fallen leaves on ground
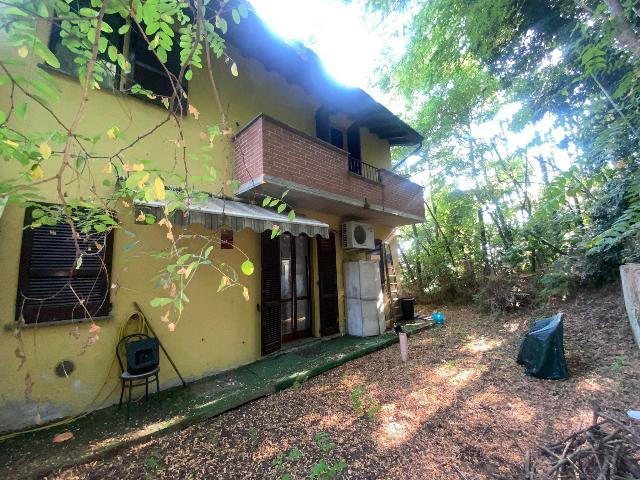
[[461, 407], [63, 437]]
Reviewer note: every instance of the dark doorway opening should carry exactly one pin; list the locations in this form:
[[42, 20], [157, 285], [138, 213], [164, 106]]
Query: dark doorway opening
[[328, 283]]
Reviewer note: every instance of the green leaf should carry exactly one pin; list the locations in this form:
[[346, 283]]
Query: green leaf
[[281, 207], [15, 11], [188, 75], [247, 267], [242, 9], [221, 23], [42, 10], [124, 29], [87, 12], [47, 55], [235, 15], [291, 216], [294, 454], [112, 51], [21, 110], [235, 185], [266, 201], [160, 301], [106, 28], [274, 202]]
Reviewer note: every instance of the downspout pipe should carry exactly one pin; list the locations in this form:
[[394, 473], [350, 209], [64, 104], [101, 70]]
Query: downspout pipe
[[416, 150]]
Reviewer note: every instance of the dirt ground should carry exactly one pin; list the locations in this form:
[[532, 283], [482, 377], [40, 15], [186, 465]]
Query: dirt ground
[[461, 408]]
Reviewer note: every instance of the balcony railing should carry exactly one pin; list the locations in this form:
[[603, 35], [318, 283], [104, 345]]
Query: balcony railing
[[363, 169]]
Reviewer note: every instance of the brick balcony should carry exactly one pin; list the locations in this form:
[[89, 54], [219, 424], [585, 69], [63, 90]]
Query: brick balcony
[[271, 156]]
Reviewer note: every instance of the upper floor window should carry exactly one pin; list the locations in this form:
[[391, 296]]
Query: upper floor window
[[335, 135], [337, 139], [53, 284], [146, 70]]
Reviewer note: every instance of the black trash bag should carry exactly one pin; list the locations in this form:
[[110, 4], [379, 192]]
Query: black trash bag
[[542, 350]]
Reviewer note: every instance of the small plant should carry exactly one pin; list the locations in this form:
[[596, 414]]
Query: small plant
[[327, 471], [323, 441], [214, 439], [619, 363], [253, 436], [373, 410], [297, 385], [364, 404], [280, 462], [356, 398], [153, 464]]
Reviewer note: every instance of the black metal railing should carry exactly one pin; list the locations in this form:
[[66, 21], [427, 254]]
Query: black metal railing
[[365, 170]]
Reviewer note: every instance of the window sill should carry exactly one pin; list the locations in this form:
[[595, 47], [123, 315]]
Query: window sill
[[20, 325]]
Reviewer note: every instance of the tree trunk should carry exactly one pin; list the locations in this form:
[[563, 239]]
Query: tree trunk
[[630, 275], [501, 232], [486, 267], [543, 169], [416, 240], [444, 237], [626, 36], [408, 266]]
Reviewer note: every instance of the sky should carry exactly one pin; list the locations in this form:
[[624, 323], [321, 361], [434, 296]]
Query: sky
[[348, 42]]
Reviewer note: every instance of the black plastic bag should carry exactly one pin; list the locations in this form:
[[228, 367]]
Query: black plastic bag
[[542, 350]]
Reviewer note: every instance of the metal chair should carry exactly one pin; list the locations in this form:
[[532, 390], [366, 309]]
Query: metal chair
[[143, 358]]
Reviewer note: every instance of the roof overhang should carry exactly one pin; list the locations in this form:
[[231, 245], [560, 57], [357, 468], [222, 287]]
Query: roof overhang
[[301, 66], [219, 213]]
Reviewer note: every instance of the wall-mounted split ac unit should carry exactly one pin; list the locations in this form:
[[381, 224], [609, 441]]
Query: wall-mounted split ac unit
[[357, 235]]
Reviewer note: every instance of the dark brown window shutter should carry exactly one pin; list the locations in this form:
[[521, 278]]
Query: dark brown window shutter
[[49, 284], [270, 309], [328, 285]]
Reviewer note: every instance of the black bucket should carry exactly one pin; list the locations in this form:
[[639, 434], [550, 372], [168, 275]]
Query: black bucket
[[407, 306]]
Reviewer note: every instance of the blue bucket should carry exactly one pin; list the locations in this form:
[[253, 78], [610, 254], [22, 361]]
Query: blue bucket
[[438, 318]]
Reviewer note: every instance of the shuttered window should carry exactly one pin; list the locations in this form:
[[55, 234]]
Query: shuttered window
[[271, 292], [50, 287]]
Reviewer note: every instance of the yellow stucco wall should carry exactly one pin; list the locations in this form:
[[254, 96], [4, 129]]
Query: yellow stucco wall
[[375, 151], [218, 330]]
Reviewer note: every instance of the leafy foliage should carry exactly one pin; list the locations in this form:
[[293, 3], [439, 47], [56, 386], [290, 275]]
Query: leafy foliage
[[530, 113], [97, 178]]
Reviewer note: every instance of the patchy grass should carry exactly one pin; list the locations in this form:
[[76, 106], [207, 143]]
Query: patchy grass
[[460, 408]]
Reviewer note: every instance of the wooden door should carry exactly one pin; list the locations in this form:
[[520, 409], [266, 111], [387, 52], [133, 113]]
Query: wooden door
[[328, 284], [270, 300]]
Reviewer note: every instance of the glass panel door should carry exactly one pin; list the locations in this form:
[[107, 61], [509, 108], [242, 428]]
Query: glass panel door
[[303, 320], [294, 281], [286, 287]]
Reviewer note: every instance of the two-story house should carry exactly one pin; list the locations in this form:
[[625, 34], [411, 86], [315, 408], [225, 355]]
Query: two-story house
[[298, 131]]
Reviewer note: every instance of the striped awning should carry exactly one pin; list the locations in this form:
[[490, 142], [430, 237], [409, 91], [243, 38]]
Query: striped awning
[[216, 213]]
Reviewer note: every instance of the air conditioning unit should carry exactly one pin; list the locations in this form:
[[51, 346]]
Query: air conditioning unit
[[357, 235]]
